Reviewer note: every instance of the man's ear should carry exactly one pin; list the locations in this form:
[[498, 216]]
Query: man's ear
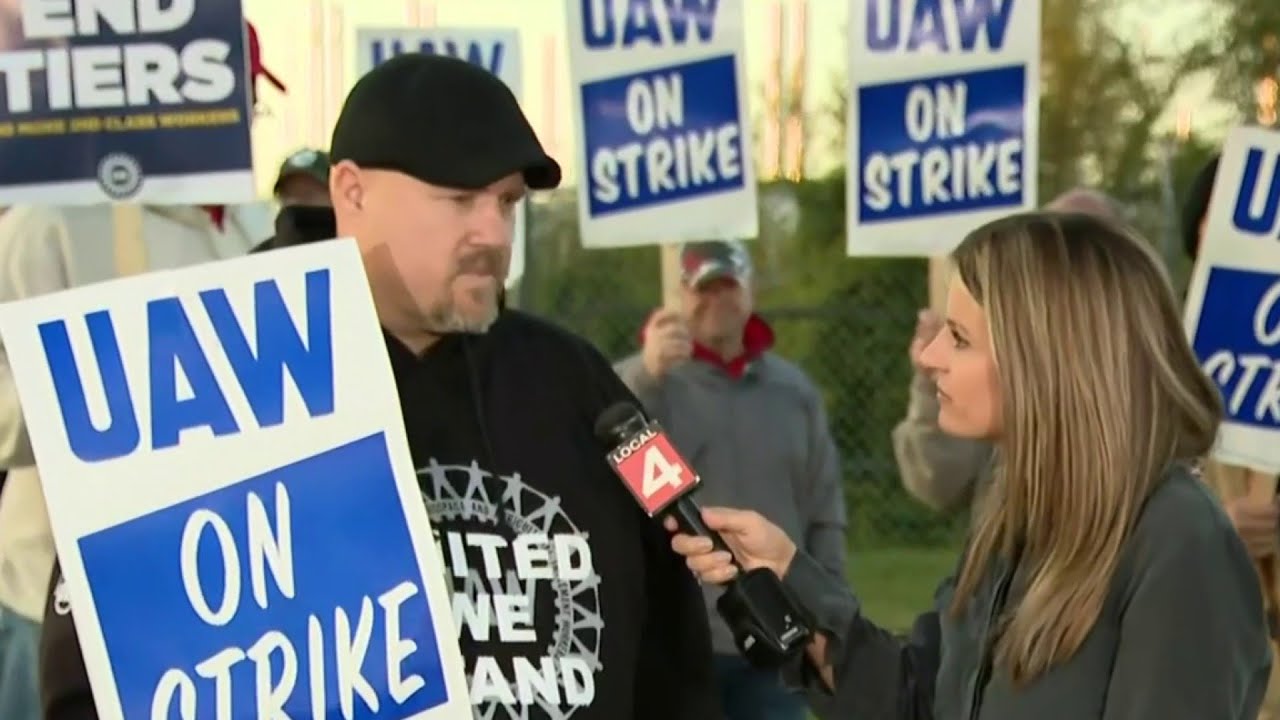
[[346, 186]]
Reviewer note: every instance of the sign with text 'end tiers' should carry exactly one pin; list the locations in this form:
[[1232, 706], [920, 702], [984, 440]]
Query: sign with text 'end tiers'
[[131, 102], [659, 92], [231, 493]]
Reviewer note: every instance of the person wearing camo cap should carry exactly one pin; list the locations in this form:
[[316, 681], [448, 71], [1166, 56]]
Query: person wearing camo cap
[[303, 179]]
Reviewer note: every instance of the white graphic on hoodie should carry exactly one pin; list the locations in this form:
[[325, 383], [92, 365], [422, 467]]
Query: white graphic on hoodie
[[507, 573]]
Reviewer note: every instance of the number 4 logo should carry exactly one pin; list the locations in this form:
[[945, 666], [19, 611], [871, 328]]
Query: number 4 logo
[[659, 473]]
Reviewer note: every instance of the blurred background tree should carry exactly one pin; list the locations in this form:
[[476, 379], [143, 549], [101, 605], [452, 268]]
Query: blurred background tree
[[1247, 45], [1109, 118]]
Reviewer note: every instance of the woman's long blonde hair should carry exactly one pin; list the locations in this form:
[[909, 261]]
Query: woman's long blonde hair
[[1100, 394]]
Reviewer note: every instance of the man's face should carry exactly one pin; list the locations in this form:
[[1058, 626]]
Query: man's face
[[717, 310], [302, 189], [442, 254]]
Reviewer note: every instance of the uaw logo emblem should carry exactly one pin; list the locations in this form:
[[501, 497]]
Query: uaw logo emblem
[[119, 175], [526, 592]]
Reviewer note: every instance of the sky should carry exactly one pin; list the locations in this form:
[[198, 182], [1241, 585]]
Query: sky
[[317, 63]]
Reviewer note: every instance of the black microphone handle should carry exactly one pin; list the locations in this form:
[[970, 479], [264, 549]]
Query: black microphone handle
[[689, 517]]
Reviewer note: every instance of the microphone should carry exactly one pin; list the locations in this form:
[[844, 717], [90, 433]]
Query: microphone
[[768, 625], [652, 470]]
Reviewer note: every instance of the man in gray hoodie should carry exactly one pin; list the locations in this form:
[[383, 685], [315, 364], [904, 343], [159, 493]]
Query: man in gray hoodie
[[752, 425]]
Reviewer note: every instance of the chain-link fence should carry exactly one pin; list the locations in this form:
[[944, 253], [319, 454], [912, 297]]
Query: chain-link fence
[[846, 322]]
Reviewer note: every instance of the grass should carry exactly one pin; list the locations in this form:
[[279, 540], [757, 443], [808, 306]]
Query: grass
[[896, 584]]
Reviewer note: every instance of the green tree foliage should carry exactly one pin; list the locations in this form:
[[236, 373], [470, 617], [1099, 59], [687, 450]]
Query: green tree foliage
[[847, 322], [603, 294], [1248, 48], [1104, 87]]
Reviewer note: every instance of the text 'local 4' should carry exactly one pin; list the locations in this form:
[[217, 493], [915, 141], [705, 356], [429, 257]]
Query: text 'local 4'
[[942, 136], [664, 141], [1233, 301]]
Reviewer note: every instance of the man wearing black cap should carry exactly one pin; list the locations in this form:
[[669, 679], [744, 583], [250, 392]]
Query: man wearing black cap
[[569, 601]]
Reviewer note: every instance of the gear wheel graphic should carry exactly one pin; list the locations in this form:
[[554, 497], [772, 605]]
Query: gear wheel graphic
[[468, 493]]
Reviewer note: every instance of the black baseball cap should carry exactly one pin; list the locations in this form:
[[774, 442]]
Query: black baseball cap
[[308, 161], [702, 262], [443, 121]]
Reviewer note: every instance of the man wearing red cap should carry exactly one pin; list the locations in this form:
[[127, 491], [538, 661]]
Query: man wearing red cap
[[46, 249], [756, 428]]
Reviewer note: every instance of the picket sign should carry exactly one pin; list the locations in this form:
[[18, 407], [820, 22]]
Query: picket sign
[[664, 152], [943, 120], [232, 498], [1233, 300], [167, 121]]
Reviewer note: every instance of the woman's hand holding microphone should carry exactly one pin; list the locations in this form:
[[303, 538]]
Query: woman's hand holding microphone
[[754, 540], [757, 543]]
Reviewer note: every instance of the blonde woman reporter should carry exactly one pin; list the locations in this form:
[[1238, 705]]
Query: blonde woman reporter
[[1100, 579]]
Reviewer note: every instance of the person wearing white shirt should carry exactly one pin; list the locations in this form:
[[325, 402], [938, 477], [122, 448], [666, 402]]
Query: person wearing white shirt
[[44, 250]]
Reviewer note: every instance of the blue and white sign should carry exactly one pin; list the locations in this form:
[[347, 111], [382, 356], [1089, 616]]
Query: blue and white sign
[[664, 144], [943, 120], [231, 493], [128, 101], [494, 49], [1233, 302]]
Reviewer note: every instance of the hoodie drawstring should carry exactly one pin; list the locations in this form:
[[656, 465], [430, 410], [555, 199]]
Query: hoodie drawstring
[[477, 404]]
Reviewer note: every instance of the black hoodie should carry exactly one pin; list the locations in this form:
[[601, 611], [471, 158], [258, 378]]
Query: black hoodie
[[500, 428]]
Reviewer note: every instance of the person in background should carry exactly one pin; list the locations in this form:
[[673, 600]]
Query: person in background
[[1195, 206], [46, 249], [1257, 520], [1100, 579], [945, 472], [303, 179], [755, 429]]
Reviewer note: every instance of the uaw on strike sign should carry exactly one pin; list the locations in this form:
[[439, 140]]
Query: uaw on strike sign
[[943, 104], [231, 493], [1233, 302], [129, 100], [494, 49], [664, 150]]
